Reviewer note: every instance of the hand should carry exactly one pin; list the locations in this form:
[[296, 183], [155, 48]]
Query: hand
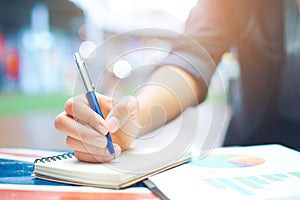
[[86, 130]]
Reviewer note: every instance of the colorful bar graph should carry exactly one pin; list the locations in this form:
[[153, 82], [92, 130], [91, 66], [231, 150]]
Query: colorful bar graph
[[214, 183], [296, 174], [281, 175], [235, 186], [257, 180], [247, 185], [270, 177]]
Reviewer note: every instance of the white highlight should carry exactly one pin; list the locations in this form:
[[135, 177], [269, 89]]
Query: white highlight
[[86, 48], [122, 69]]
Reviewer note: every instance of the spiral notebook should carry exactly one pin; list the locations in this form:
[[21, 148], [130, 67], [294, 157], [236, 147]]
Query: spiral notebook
[[124, 171]]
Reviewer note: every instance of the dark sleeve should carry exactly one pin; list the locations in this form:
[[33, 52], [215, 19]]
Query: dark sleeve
[[210, 29]]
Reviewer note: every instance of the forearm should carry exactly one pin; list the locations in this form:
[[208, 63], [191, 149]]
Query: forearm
[[168, 92]]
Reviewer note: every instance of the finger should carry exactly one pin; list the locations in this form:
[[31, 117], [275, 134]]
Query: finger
[[105, 103], [86, 157], [79, 108], [87, 148], [124, 140], [89, 157], [79, 145], [75, 129], [125, 109]]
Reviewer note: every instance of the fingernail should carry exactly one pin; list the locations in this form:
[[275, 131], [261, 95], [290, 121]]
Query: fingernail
[[102, 130], [117, 150], [106, 158], [100, 142], [113, 124]]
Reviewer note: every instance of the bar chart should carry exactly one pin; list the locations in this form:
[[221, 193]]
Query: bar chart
[[247, 185], [231, 174]]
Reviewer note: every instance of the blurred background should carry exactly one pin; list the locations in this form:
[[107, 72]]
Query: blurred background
[[37, 71]]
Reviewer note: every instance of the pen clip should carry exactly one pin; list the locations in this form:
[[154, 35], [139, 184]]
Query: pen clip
[[84, 74]]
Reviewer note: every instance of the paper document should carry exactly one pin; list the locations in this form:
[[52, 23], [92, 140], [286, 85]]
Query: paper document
[[256, 172]]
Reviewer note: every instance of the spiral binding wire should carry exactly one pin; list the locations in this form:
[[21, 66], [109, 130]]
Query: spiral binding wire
[[54, 158]]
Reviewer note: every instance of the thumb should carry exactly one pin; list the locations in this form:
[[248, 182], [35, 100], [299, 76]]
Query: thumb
[[113, 124], [122, 110]]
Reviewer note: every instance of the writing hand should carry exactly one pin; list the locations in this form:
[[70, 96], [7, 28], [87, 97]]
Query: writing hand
[[86, 130]]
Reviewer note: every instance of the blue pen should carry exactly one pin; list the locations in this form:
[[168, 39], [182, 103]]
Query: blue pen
[[91, 96]]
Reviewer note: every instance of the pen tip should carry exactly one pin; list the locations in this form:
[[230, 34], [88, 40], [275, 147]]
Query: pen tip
[[114, 155]]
